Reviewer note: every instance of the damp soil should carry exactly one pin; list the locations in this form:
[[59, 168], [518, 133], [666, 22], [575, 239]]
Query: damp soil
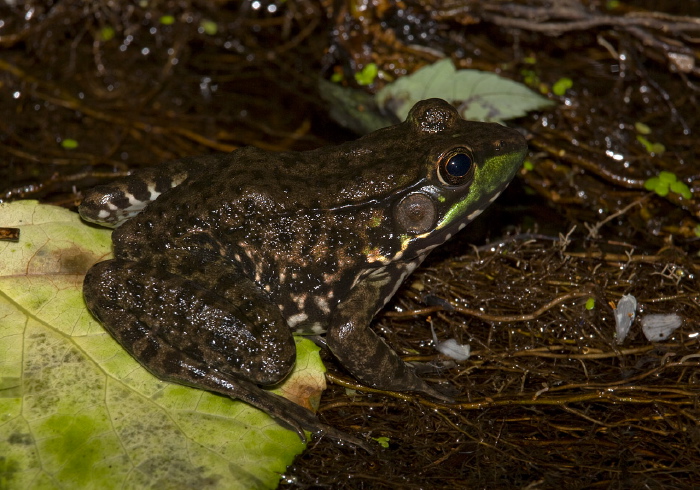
[[552, 395]]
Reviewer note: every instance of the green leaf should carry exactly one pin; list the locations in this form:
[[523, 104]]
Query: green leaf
[[561, 86], [76, 411], [662, 189], [590, 303], [642, 128], [681, 188], [645, 142], [107, 33], [655, 148], [209, 27], [650, 184], [667, 177], [658, 148], [167, 20], [383, 441], [354, 109], [69, 144], [367, 75], [479, 95]]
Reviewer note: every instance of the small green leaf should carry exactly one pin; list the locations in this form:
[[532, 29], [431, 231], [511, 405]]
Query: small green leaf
[[642, 128], [658, 148], [667, 177], [645, 142], [383, 441], [527, 165], [681, 188], [662, 189], [481, 96], [655, 148], [337, 77], [69, 144], [590, 303], [367, 75], [530, 78], [107, 33], [209, 27], [561, 86], [530, 60], [651, 184], [167, 20]]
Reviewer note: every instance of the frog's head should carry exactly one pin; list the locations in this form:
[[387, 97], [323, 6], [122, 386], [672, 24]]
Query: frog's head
[[464, 166]]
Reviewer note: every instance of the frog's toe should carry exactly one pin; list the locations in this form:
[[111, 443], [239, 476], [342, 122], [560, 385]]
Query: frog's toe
[[444, 392], [295, 417]]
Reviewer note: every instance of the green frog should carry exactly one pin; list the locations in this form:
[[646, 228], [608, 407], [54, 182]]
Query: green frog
[[220, 259]]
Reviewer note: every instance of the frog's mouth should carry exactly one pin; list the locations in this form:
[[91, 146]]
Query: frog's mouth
[[452, 223]]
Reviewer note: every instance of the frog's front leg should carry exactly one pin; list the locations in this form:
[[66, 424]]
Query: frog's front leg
[[213, 330], [363, 352]]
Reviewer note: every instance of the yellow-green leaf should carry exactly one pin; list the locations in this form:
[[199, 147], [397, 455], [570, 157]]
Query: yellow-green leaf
[[69, 144], [76, 411]]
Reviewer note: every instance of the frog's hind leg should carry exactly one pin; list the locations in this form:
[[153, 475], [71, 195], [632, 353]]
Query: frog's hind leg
[[200, 335], [148, 309]]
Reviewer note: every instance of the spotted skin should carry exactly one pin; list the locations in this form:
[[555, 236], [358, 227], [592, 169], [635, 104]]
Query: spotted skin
[[218, 260]]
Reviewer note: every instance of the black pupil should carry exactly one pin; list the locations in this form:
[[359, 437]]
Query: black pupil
[[458, 165]]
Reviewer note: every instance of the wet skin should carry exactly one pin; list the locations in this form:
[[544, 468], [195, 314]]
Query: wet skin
[[219, 260]]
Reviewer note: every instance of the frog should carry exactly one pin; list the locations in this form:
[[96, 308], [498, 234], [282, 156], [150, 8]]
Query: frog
[[219, 260]]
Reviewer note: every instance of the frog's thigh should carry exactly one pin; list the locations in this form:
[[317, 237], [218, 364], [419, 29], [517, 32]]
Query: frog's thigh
[[176, 326]]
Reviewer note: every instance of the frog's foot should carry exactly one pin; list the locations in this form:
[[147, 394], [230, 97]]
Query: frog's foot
[[409, 381], [443, 392], [374, 363]]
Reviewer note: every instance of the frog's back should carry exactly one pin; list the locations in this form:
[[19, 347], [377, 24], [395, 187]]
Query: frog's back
[[254, 180]]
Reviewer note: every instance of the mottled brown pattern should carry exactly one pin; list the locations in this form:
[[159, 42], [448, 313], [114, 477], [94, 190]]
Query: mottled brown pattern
[[209, 281]]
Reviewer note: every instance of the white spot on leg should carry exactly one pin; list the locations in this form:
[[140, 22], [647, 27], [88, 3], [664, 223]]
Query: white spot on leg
[[322, 304], [300, 300], [295, 320]]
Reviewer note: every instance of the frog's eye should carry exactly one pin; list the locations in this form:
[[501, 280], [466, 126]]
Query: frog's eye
[[456, 167]]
